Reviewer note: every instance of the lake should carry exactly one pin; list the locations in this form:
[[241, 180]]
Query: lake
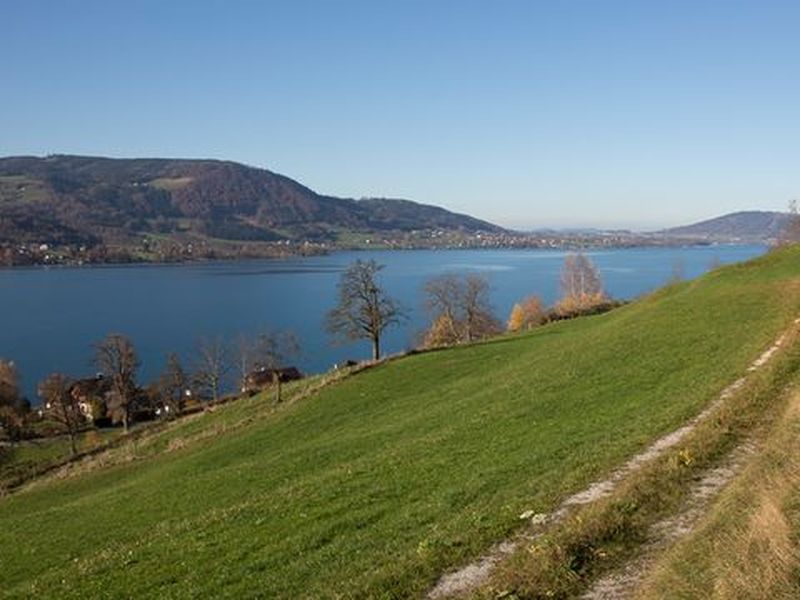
[[51, 316]]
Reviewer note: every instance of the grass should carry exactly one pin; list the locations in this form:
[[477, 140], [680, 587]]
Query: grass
[[748, 544], [375, 485], [171, 184], [18, 188], [30, 457]]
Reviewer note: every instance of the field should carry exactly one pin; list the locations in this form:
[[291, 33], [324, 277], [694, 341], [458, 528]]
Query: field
[[376, 484], [30, 457]]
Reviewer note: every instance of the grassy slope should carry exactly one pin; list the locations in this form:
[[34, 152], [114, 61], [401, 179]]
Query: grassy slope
[[376, 484], [27, 458]]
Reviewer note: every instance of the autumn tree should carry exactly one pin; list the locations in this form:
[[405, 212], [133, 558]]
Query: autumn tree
[[13, 407], [62, 406], [527, 314], [364, 309], [213, 367], [443, 331], [460, 310], [581, 286], [172, 385], [115, 357]]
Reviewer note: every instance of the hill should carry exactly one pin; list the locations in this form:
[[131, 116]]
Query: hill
[[376, 483], [746, 226], [87, 200]]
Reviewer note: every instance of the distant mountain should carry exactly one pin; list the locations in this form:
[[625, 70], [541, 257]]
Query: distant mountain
[[746, 226], [85, 200]]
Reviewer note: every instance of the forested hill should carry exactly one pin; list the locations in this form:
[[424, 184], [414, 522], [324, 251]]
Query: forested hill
[[757, 226], [87, 200]]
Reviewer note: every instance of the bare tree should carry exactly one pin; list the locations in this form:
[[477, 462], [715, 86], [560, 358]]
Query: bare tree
[[213, 366], [115, 357], [364, 309], [62, 406], [581, 285], [245, 353], [579, 277], [790, 234], [13, 407], [479, 322], [443, 300], [172, 386], [460, 310], [271, 351], [268, 351]]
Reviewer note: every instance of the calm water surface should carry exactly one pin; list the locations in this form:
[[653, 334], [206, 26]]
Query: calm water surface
[[51, 316]]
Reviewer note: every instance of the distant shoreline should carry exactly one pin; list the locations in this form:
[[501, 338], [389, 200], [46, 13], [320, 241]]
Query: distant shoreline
[[140, 262]]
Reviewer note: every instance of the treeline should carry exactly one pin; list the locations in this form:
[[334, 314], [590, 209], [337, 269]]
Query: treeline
[[458, 305], [150, 250], [114, 396]]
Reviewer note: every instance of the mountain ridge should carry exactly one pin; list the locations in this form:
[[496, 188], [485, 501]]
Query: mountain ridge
[[83, 199], [746, 225]]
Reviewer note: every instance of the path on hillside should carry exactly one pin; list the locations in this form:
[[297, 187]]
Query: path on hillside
[[622, 582], [619, 584]]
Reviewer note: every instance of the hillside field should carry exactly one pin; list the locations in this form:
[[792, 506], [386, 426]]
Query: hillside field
[[376, 484]]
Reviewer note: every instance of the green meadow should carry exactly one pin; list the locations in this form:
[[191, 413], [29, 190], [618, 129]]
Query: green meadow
[[379, 482]]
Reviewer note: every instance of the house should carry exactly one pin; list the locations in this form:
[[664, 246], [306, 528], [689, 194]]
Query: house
[[263, 377], [90, 395]]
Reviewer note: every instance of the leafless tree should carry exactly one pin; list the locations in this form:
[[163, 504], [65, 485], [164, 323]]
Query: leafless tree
[[115, 357], [271, 351], [245, 353], [460, 310], [443, 300], [172, 386], [579, 277], [581, 285], [13, 407], [479, 322], [364, 309], [213, 366], [790, 233], [62, 406]]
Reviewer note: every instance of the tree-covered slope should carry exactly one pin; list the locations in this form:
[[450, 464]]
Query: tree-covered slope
[[76, 199], [751, 226], [376, 484]]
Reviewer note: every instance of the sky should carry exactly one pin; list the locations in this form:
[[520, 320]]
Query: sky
[[525, 113]]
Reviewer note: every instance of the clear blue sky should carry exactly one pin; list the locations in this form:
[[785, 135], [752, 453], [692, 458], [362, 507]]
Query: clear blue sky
[[526, 113]]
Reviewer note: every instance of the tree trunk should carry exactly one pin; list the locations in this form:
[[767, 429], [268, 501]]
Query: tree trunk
[[125, 421], [276, 381], [376, 348], [72, 444]]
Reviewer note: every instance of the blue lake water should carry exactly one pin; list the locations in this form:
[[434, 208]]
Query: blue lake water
[[51, 316]]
